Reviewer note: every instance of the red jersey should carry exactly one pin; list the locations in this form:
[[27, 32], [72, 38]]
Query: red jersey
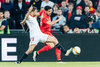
[[45, 28]]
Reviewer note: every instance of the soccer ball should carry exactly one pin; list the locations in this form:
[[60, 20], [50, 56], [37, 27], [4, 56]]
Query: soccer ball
[[76, 50]]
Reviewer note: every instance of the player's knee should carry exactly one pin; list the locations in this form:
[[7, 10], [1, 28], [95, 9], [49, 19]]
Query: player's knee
[[56, 42], [51, 45]]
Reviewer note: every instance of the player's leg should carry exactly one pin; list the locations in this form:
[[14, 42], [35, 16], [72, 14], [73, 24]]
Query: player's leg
[[58, 54], [47, 47], [57, 44], [32, 45], [25, 55]]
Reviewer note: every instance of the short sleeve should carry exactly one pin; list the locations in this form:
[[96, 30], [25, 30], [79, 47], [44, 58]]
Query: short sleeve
[[41, 12]]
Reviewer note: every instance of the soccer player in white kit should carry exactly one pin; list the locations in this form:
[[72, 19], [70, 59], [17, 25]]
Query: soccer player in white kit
[[36, 35]]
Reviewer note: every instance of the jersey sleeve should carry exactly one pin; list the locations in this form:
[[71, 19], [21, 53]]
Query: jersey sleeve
[[4, 22], [41, 12]]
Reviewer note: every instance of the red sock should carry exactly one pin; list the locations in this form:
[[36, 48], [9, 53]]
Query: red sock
[[58, 53], [45, 48]]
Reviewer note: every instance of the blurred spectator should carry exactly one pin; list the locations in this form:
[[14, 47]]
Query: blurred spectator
[[78, 19], [7, 6], [62, 22], [55, 10], [55, 1], [27, 2], [69, 13], [12, 1], [0, 5], [37, 3], [96, 24], [72, 1], [65, 29], [2, 1], [86, 2], [89, 18], [63, 7], [92, 10], [47, 3], [10, 21], [4, 29], [77, 30], [59, 2], [20, 11], [96, 3], [79, 3], [87, 10]]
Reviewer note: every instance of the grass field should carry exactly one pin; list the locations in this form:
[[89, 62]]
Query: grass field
[[50, 64]]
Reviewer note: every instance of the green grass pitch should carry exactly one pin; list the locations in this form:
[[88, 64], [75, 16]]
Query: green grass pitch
[[50, 64]]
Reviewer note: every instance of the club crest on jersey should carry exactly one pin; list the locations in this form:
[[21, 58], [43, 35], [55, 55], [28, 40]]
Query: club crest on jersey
[[47, 19]]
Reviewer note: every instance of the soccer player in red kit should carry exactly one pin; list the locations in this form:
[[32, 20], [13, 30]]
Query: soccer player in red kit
[[45, 27]]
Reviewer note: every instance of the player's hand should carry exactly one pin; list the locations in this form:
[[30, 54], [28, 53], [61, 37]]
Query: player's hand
[[21, 23], [30, 9]]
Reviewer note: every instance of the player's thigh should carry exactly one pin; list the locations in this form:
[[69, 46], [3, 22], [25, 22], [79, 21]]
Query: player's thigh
[[50, 44], [34, 41], [52, 40]]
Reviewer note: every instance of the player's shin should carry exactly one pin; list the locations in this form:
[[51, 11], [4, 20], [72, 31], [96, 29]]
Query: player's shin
[[61, 48], [23, 57]]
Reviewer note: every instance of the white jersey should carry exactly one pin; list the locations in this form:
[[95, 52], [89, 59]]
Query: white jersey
[[33, 26]]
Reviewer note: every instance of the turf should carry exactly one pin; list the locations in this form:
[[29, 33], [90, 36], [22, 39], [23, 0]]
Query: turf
[[50, 64]]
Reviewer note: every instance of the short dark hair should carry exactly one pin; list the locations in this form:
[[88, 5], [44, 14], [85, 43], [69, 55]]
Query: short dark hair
[[55, 5], [47, 8], [71, 4], [1, 11], [34, 8]]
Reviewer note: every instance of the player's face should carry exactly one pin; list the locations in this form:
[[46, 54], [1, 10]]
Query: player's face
[[49, 12], [34, 12]]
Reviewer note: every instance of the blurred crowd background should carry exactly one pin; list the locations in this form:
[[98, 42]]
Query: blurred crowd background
[[78, 16]]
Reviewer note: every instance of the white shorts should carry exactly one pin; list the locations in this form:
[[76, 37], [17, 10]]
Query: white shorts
[[38, 38]]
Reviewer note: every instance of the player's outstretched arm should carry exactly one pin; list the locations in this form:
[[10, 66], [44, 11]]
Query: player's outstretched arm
[[54, 22], [26, 17]]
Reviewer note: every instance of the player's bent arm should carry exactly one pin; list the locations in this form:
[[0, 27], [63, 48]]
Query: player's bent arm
[[2, 27], [54, 22], [26, 17]]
